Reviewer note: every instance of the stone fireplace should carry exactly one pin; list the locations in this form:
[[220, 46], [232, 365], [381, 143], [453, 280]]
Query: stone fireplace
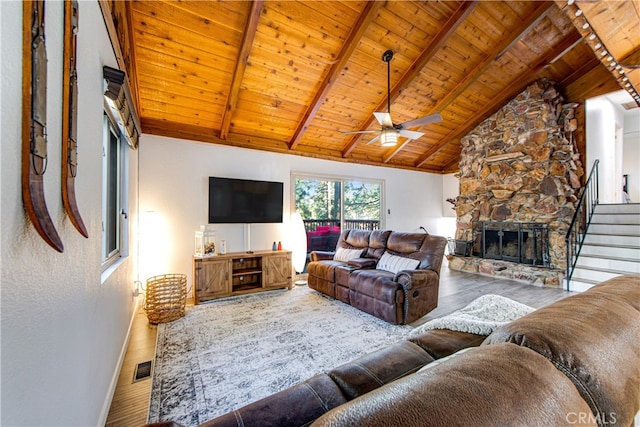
[[520, 174]]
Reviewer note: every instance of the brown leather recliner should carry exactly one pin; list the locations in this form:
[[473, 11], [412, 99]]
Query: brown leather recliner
[[397, 297], [594, 339], [495, 385]]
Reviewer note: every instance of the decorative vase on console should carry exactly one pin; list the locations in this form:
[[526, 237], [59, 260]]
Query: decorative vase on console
[[209, 241]]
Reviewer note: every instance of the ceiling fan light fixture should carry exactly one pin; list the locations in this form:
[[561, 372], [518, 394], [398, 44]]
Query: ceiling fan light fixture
[[388, 138]]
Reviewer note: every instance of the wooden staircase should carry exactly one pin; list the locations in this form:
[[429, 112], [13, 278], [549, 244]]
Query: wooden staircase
[[611, 246]]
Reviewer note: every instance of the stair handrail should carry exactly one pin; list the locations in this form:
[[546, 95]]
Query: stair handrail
[[581, 219]]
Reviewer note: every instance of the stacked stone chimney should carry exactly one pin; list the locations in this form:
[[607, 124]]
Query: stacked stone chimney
[[522, 165]]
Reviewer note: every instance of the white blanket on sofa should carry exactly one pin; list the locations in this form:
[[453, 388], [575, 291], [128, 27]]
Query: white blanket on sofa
[[481, 316]]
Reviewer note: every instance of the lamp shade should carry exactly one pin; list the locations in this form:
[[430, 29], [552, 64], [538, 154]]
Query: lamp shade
[[298, 242]]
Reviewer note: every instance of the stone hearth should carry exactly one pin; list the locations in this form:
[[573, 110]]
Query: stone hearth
[[508, 270], [521, 165]]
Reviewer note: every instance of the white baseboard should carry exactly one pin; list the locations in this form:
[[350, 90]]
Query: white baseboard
[[104, 414]]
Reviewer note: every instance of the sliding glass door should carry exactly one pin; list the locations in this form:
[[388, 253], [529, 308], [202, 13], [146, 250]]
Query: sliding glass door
[[362, 205], [329, 204]]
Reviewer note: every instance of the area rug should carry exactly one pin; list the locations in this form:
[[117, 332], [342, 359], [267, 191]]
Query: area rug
[[227, 353], [481, 316]]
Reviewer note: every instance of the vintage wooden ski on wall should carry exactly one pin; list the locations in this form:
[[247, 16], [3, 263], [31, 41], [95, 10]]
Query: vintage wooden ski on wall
[[34, 122], [70, 116]]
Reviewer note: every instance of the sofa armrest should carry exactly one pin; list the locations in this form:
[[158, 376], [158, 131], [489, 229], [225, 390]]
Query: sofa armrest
[[420, 292], [410, 279], [321, 255], [298, 405]]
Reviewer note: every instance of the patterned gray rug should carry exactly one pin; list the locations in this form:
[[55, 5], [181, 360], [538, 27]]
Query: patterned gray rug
[[228, 353]]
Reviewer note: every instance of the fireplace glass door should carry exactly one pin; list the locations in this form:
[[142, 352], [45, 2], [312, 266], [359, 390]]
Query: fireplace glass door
[[520, 242]]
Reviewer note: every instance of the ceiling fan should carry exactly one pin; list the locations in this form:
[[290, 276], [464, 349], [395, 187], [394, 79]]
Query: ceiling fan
[[389, 133]]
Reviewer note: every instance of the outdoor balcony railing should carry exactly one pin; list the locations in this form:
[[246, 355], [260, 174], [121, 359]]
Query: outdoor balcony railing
[[357, 224], [323, 234]]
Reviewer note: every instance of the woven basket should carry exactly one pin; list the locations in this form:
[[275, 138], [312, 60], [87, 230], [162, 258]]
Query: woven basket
[[166, 298]]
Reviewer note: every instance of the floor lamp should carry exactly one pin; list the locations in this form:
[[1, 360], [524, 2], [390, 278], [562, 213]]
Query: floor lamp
[[299, 246]]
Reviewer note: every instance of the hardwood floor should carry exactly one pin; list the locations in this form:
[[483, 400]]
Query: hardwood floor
[[131, 400], [458, 289]]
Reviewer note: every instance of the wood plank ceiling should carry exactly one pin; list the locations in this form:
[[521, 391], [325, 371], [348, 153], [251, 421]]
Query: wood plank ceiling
[[289, 76]]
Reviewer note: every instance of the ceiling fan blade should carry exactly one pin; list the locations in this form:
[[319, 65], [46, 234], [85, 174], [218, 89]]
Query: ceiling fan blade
[[360, 131], [373, 140], [384, 119], [411, 134], [433, 118]]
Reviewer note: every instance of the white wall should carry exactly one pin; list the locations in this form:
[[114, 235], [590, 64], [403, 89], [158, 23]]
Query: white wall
[[62, 328], [450, 190], [174, 195], [631, 149], [601, 145], [613, 137]]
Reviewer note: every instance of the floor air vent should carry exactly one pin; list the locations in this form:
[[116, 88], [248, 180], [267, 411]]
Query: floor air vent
[[143, 371]]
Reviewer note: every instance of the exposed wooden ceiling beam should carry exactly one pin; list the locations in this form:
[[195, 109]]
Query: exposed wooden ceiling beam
[[447, 30], [578, 73], [241, 65], [532, 20], [351, 43], [395, 150], [506, 94], [452, 166], [527, 25], [631, 60]]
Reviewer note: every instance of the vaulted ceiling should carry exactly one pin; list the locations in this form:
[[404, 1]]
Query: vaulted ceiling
[[291, 76]]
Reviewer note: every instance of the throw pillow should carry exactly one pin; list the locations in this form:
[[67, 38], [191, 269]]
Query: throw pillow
[[322, 229], [394, 263], [346, 255]]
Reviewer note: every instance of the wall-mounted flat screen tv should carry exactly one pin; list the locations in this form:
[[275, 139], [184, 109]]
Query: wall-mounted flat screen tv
[[234, 201]]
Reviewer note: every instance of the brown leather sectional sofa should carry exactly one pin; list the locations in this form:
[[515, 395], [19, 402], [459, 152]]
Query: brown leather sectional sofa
[[574, 363], [397, 297]]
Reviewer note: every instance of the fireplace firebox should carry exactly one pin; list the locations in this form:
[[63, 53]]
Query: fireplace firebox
[[520, 242]]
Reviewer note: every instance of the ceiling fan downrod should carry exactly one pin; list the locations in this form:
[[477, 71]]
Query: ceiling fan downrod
[[386, 57]]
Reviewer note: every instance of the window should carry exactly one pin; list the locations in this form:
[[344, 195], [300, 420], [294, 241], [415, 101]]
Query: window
[[114, 194], [362, 204], [328, 205]]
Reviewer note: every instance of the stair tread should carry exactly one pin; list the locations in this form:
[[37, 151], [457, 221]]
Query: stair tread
[[582, 280], [614, 223], [599, 269], [607, 205], [610, 258], [608, 245], [612, 234], [615, 213]]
